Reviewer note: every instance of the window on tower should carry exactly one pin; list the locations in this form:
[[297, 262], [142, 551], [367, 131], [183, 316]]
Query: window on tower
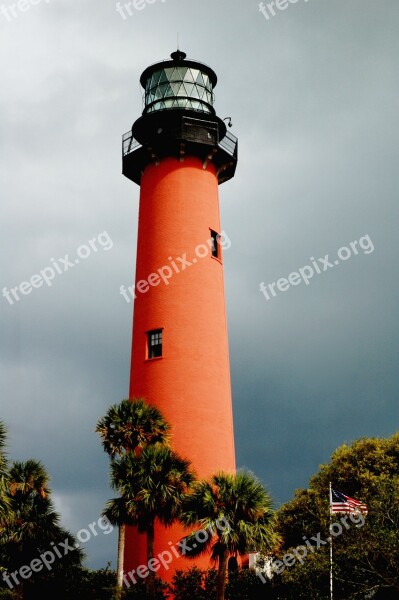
[[154, 343], [215, 237]]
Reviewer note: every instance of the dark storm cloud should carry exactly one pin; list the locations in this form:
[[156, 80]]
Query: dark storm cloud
[[313, 96]]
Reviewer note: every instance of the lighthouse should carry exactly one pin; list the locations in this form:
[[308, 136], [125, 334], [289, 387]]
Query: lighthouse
[[179, 151]]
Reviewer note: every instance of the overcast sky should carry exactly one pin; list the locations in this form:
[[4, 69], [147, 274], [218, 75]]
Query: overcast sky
[[313, 94]]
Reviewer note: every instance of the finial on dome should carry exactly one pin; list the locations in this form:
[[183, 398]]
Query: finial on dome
[[178, 55]]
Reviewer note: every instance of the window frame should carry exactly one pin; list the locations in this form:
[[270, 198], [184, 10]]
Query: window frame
[[150, 346], [216, 248]]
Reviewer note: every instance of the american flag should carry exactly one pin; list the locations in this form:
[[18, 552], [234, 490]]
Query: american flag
[[340, 503]]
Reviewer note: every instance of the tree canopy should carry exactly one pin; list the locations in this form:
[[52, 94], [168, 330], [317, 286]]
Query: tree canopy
[[366, 556], [30, 530]]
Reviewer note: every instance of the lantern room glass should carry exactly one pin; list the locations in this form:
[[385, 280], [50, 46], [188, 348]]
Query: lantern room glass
[[178, 87]]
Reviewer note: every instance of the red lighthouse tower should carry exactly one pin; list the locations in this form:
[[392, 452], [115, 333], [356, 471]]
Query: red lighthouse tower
[[179, 151]]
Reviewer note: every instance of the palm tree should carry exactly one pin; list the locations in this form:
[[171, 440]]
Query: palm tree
[[4, 499], [244, 507], [33, 524], [129, 426], [29, 479], [34, 520], [152, 486], [117, 514]]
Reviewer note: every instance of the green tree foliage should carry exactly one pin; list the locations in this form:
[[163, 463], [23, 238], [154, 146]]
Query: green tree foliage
[[243, 584], [129, 426], [139, 591], [28, 527], [240, 502], [194, 583], [366, 557], [152, 486], [4, 498], [71, 584]]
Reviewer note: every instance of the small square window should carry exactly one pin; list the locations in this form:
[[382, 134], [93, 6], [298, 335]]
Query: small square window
[[154, 343], [215, 237]]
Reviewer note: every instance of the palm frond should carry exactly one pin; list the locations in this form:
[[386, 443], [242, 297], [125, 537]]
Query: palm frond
[[152, 484], [130, 425], [239, 501]]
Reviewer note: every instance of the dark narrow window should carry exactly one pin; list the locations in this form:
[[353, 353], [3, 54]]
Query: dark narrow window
[[154, 343], [215, 244]]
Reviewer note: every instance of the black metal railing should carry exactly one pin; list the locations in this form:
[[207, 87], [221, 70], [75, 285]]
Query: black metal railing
[[129, 143], [229, 143], [190, 130]]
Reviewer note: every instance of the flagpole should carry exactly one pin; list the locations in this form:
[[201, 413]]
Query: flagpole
[[331, 549]]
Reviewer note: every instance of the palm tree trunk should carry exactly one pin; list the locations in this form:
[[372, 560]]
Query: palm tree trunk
[[120, 565], [150, 582], [221, 576]]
